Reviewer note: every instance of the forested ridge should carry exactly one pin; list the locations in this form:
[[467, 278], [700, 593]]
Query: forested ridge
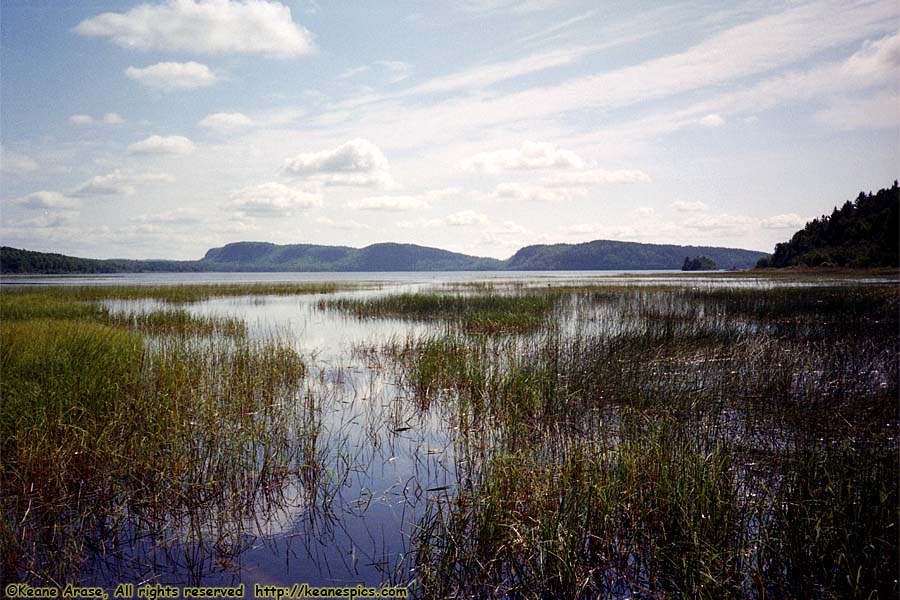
[[862, 233]]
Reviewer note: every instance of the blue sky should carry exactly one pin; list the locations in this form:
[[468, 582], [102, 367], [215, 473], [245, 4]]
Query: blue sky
[[161, 129]]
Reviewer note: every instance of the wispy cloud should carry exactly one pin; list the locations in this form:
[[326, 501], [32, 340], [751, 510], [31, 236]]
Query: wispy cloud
[[157, 144], [685, 206], [118, 183], [783, 221], [46, 200], [389, 203], [226, 122]]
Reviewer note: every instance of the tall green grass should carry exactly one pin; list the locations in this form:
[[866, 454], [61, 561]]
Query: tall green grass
[[107, 439], [475, 313], [688, 443]]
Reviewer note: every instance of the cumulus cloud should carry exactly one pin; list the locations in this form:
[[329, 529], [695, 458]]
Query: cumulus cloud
[[389, 203], [204, 27], [81, 119], [644, 211], [225, 122], [682, 206], [530, 155], [597, 177], [712, 120], [466, 217], [112, 118], [157, 144], [272, 199], [784, 221], [46, 200], [117, 183], [171, 76], [358, 162]]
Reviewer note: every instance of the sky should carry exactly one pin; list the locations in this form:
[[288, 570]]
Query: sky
[[160, 129]]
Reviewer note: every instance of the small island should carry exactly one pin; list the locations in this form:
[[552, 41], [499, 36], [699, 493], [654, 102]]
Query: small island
[[699, 263]]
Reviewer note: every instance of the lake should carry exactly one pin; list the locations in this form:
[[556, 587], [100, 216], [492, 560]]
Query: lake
[[423, 393]]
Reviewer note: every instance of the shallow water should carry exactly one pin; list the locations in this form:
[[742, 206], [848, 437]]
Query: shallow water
[[385, 458]]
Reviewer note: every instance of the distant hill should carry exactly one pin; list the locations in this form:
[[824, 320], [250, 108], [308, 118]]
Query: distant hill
[[14, 260], [605, 255], [261, 256], [862, 233]]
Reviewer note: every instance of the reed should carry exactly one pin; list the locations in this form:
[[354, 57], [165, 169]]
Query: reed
[[111, 441], [697, 443]]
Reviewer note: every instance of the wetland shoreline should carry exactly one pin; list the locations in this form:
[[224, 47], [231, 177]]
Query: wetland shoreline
[[711, 435]]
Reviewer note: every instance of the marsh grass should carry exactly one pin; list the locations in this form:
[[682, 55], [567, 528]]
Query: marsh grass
[[688, 442], [111, 443], [481, 312], [174, 293], [626, 442]]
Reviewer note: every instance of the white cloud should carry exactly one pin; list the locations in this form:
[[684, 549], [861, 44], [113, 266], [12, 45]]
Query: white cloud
[[785, 221], [109, 118], [225, 122], [117, 183], [712, 120], [353, 72], [597, 177], [171, 76], [273, 199], [682, 206], [45, 200], [347, 224], [465, 218], [876, 59], [487, 75], [644, 212], [766, 45], [205, 27], [836, 82], [49, 221], [534, 193], [358, 162], [396, 70], [869, 111], [389, 203], [13, 162], [530, 155], [720, 223], [157, 144], [179, 216]]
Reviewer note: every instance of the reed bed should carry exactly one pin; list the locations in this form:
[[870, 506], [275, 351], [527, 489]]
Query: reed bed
[[659, 443], [174, 293], [604, 441], [483, 312], [120, 452]]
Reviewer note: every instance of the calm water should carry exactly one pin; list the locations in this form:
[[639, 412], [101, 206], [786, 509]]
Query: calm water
[[388, 459]]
